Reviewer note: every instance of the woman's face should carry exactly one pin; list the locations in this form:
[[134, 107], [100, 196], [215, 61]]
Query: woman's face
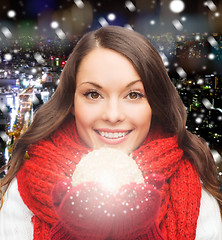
[[110, 104]]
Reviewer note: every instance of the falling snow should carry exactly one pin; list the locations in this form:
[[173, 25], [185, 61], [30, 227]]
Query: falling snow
[[103, 22], [7, 33], [177, 6], [11, 13], [60, 33], [54, 24], [191, 50], [79, 3], [181, 72], [8, 57], [177, 24], [131, 7], [38, 58], [213, 42], [210, 5]]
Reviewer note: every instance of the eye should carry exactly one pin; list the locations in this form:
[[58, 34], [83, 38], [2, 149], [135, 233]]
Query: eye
[[134, 95], [92, 95]]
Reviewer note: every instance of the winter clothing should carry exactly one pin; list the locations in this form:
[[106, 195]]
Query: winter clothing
[[181, 191], [89, 211], [15, 218], [53, 159]]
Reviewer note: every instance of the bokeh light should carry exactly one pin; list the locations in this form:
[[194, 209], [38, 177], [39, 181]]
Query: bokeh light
[[177, 6]]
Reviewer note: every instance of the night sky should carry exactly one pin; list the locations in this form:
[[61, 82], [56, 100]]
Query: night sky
[[189, 41], [79, 16]]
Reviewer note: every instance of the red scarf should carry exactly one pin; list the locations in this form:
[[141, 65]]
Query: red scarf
[[53, 159]]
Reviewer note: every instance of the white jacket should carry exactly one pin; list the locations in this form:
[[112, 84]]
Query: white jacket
[[15, 217]]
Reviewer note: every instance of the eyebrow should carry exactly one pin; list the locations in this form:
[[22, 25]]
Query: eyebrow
[[92, 83], [98, 86]]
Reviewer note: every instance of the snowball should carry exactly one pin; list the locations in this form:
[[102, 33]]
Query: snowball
[[112, 168]]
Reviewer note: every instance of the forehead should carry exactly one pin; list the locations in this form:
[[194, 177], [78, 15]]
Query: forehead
[[101, 56], [103, 64]]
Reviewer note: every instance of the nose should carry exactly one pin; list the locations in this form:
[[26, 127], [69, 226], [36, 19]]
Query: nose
[[113, 111]]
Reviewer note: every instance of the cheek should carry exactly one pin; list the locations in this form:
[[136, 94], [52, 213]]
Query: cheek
[[141, 115], [143, 124], [85, 114], [84, 119]]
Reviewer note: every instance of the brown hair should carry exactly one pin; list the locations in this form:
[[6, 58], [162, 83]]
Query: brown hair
[[167, 107]]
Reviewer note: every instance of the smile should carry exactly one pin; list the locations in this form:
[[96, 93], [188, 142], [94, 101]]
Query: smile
[[113, 135]]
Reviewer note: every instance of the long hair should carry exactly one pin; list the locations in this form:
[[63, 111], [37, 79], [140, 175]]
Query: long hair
[[167, 107]]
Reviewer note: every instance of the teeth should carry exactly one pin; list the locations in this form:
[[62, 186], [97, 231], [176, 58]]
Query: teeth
[[113, 135]]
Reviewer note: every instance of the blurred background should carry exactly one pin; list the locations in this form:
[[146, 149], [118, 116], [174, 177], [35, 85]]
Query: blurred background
[[37, 36]]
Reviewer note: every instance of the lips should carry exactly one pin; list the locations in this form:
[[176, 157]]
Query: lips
[[112, 136]]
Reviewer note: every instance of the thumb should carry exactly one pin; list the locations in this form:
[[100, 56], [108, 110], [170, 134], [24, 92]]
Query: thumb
[[155, 179], [59, 191]]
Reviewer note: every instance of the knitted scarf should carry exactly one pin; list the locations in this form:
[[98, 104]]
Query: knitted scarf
[[53, 159]]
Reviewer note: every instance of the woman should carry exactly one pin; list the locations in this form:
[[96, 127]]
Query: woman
[[114, 91]]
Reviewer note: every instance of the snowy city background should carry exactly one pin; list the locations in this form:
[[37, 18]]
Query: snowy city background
[[37, 36]]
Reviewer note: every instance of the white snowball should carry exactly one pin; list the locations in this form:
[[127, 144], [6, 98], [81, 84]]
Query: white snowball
[[110, 167]]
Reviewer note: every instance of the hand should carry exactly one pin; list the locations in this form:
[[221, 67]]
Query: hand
[[137, 207], [88, 211]]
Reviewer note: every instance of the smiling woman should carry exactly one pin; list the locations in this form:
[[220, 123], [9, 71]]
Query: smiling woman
[[114, 92], [110, 92]]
